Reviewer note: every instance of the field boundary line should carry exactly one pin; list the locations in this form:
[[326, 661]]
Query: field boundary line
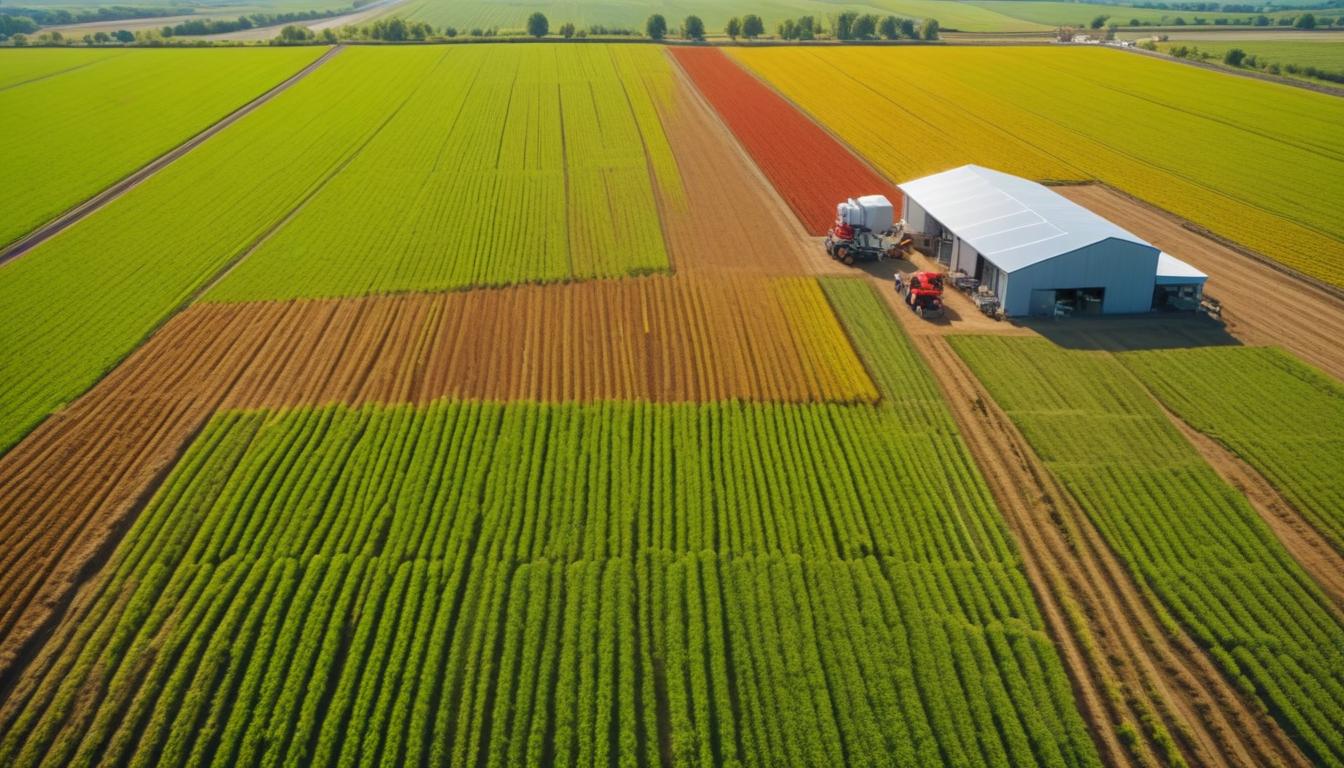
[[93, 204], [60, 72], [1160, 671], [1305, 85], [1308, 548], [1306, 282]]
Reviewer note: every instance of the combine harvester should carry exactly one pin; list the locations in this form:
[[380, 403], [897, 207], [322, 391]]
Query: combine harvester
[[866, 228]]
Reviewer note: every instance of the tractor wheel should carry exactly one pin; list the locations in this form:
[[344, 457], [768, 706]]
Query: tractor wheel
[[841, 253], [847, 257]]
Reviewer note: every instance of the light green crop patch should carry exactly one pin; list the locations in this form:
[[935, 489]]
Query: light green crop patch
[[527, 584]]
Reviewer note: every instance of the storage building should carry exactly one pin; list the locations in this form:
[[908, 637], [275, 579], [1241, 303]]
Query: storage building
[[1037, 250]]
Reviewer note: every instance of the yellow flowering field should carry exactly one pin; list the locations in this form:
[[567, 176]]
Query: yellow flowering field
[[1255, 162]]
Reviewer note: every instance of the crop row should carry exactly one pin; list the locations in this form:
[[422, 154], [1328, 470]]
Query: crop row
[[73, 122], [1283, 417], [810, 170], [1159, 131], [1184, 533], [81, 301], [354, 139], [508, 165], [509, 584]]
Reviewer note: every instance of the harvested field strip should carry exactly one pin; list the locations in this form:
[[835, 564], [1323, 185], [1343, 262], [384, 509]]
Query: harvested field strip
[[1284, 418], [1183, 532], [81, 301], [1157, 130], [653, 339], [656, 339], [65, 138], [469, 583], [730, 219], [512, 164], [810, 169]]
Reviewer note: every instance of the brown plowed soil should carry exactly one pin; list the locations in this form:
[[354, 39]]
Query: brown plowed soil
[[71, 487], [1261, 304]]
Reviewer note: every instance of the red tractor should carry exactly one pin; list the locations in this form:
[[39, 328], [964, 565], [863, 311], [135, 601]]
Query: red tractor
[[923, 293]]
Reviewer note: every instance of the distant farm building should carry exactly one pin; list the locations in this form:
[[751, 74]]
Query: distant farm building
[[1038, 251]]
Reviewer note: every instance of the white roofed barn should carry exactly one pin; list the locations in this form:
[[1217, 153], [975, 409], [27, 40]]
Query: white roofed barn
[[1037, 250]]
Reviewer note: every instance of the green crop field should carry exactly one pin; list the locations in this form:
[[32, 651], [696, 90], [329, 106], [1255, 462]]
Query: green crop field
[[1080, 14], [74, 122], [81, 301], [1161, 131], [525, 584], [506, 165], [1184, 533], [1285, 418], [1326, 55], [631, 14], [85, 298]]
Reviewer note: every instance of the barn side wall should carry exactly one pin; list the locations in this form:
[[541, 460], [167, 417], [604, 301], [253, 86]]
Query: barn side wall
[[1126, 270]]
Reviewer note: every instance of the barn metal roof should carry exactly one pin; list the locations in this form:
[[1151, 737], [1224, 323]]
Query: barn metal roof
[[1173, 271], [1011, 221]]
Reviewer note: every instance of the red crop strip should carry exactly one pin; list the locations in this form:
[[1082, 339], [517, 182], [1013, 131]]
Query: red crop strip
[[808, 167]]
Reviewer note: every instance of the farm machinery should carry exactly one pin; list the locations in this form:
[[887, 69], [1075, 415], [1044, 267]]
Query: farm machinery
[[865, 228], [923, 293]]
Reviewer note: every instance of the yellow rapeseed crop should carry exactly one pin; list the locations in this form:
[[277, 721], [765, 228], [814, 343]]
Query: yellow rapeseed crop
[[1257, 163]]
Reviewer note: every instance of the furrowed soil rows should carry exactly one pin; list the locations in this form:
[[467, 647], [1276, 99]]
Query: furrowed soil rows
[[1188, 537], [809, 169], [1284, 418], [653, 339], [524, 583], [730, 219]]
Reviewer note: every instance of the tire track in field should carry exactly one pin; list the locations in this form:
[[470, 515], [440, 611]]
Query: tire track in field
[[60, 72], [98, 201], [1159, 669]]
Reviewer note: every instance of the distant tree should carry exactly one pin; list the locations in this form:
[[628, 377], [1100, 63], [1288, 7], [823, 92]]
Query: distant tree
[[752, 26], [805, 28], [693, 28], [19, 39], [890, 27], [101, 37], [733, 28], [1234, 57], [788, 29], [656, 27], [1327, 21], [450, 32], [930, 29], [844, 25], [1111, 29], [329, 35], [567, 30], [294, 33], [1134, 23], [908, 29], [124, 36], [1098, 21], [865, 27], [1305, 21], [476, 32], [538, 25], [1180, 21]]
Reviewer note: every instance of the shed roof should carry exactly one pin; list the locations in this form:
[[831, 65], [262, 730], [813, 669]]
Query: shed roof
[[1173, 271], [1011, 221]]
